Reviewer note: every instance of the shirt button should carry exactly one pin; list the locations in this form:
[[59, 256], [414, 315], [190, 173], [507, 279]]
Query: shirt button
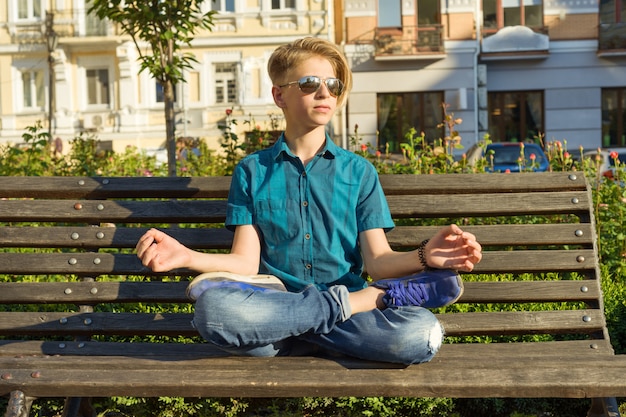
[[307, 236], [305, 203], [308, 266]]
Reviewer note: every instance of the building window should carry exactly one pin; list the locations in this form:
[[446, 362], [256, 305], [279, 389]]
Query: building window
[[193, 86], [283, 4], [29, 9], [501, 13], [515, 116], [98, 89], [223, 5], [612, 33], [94, 26], [226, 82], [612, 11], [398, 113], [614, 117], [389, 13], [33, 89], [428, 12], [160, 93]]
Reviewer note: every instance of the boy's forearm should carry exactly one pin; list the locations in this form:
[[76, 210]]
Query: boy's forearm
[[395, 264], [223, 262]]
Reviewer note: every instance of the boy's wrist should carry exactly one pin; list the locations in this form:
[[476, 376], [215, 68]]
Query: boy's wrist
[[421, 252]]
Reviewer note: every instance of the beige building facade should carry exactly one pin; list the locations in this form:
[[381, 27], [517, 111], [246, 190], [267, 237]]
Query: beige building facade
[[97, 85]]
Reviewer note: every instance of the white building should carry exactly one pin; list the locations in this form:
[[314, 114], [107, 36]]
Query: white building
[[516, 69]]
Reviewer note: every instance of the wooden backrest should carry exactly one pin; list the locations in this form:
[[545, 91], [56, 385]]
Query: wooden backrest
[[66, 250]]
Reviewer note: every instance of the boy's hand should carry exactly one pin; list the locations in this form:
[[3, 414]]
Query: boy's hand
[[161, 252], [452, 248]]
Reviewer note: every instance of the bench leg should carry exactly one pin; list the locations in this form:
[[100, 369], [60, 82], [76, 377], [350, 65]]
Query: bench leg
[[19, 405], [78, 407], [603, 407]]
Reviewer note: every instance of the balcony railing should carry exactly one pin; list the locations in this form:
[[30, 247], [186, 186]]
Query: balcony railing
[[406, 41], [612, 36], [66, 24]]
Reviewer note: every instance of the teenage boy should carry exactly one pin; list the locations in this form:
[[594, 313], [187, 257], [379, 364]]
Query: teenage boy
[[307, 217]]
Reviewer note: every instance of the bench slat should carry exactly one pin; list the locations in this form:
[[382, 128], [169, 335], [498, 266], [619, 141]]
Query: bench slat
[[533, 377], [91, 264], [174, 292], [395, 184], [111, 211], [529, 291], [591, 347], [110, 237], [211, 211], [87, 324], [211, 187], [468, 205], [128, 264], [503, 234], [205, 238], [536, 261], [114, 187], [89, 293], [172, 324], [516, 322]]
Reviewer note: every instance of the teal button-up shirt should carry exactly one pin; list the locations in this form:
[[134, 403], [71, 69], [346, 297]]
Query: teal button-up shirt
[[309, 218]]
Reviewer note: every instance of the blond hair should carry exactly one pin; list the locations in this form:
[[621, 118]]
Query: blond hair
[[290, 55]]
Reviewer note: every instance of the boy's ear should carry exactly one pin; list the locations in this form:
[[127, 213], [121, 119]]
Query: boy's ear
[[277, 93]]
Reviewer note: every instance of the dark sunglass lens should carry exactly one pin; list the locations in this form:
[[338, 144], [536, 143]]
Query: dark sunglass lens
[[309, 85], [335, 86]]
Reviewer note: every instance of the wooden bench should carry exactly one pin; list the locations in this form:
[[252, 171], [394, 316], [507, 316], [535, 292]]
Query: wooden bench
[[69, 325]]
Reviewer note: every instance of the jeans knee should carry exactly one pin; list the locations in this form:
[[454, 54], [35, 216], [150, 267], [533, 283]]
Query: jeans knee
[[419, 340], [230, 316], [208, 319], [435, 339]]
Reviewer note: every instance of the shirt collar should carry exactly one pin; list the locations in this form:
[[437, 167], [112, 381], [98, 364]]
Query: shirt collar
[[280, 148]]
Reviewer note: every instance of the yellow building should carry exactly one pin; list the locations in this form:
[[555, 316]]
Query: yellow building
[[97, 87]]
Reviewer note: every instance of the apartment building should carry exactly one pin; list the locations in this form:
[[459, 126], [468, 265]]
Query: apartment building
[[89, 76], [515, 69]]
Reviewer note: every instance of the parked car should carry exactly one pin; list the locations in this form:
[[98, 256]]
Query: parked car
[[606, 166], [507, 157]]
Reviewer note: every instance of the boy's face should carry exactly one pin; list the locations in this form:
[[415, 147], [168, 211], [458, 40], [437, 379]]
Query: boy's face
[[307, 108]]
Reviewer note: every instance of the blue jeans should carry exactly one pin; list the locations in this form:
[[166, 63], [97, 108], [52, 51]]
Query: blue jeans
[[261, 322]]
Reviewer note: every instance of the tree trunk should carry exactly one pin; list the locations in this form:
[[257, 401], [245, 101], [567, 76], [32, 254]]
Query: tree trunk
[[170, 127]]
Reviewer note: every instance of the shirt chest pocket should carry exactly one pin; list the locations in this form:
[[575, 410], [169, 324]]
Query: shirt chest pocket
[[280, 221]]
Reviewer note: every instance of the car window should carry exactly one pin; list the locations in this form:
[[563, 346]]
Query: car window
[[620, 156], [505, 155], [529, 151], [510, 154]]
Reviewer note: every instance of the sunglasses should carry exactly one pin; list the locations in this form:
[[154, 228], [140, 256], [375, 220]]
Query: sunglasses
[[311, 83]]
